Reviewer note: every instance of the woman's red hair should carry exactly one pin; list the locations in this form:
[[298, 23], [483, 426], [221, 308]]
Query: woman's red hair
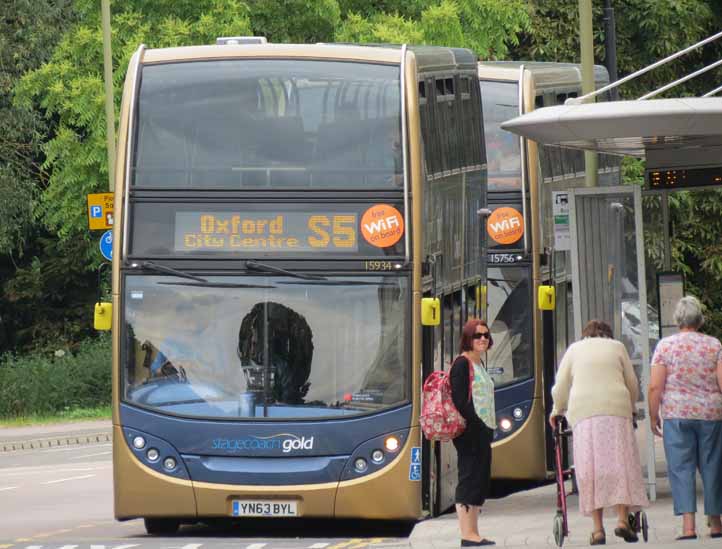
[[467, 334]]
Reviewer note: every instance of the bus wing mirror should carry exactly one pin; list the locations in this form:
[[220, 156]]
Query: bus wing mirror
[[547, 298], [430, 311], [103, 319]]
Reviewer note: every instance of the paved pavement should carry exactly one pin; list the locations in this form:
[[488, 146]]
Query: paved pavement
[[523, 519]]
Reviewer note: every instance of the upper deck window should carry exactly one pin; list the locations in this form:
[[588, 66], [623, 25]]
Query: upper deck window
[[500, 102], [248, 124]]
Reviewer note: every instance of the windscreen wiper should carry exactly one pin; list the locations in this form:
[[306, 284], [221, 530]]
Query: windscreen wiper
[[265, 268], [207, 284], [327, 282], [149, 265]]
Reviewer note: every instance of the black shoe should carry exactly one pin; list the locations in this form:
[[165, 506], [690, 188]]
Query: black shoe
[[468, 543]]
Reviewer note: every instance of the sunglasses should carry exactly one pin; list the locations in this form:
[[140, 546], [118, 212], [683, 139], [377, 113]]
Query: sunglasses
[[485, 335]]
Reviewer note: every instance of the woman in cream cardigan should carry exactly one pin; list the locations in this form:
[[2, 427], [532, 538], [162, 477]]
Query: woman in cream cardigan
[[596, 389]]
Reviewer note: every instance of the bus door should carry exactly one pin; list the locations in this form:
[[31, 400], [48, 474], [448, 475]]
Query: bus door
[[608, 277]]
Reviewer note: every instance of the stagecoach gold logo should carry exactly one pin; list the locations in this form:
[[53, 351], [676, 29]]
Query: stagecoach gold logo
[[286, 442], [266, 231]]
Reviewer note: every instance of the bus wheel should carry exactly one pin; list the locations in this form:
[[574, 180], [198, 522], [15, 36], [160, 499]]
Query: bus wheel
[[161, 526]]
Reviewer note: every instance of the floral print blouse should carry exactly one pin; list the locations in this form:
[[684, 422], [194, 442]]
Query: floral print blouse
[[691, 390]]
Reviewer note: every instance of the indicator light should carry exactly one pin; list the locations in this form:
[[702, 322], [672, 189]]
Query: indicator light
[[391, 444]]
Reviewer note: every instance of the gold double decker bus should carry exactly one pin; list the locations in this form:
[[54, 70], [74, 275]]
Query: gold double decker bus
[[284, 215], [528, 187]]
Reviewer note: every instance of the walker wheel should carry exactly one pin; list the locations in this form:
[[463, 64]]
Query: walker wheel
[[559, 530], [645, 526]]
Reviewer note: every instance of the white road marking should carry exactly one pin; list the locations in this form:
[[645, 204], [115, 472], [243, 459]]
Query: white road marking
[[256, 546], [55, 470], [68, 547], [318, 545], [67, 479], [116, 547], [187, 546], [91, 455], [49, 534], [6, 488]]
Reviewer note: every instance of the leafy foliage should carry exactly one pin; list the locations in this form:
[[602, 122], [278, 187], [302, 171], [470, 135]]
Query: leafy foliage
[[55, 381], [488, 27], [28, 30], [646, 30]]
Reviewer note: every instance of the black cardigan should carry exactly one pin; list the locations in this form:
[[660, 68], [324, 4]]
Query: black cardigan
[[470, 442]]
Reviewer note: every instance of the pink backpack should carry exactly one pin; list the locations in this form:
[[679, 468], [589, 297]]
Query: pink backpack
[[440, 420]]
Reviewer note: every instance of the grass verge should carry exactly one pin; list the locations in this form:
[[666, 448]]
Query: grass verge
[[69, 416]]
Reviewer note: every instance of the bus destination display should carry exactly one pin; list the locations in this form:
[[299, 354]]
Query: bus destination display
[[266, 231], [682, 178]]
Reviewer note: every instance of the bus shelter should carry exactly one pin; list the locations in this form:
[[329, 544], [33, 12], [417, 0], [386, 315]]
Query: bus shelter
[[681, 141]]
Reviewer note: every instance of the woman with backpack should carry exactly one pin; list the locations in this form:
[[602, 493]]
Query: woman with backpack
[[475, 401]]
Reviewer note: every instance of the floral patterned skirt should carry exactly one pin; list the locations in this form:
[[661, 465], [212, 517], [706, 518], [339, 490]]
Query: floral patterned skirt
[[607, 465]]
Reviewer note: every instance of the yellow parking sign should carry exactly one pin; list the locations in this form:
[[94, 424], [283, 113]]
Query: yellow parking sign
[[100, 211]]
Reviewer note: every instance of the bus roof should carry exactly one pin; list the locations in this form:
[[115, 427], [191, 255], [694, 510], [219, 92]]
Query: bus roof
[[545, 75], [428, 57]]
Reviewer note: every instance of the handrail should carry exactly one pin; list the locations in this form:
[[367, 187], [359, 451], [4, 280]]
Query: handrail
[[713, 92], [583, 98], [679, 81]]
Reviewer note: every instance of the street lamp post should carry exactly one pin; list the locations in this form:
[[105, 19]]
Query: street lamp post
[[109, 107], [586, 41]]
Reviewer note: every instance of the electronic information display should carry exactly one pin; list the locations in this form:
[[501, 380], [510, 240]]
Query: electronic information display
[[683, 178], [379, 226]]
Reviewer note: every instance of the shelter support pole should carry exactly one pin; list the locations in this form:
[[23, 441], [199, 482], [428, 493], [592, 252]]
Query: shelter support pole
[[586, 42], [109, 106], [666, 232]]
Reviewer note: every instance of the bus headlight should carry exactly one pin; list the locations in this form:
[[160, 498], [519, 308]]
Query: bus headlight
[[169, 463], [360, 465], [391, 444], [152, 455], [139, 443], [505, 424], [518, 413], [377, 456]]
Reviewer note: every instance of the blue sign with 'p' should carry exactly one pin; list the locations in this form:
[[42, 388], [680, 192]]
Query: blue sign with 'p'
[[106, 245], [96, 211]]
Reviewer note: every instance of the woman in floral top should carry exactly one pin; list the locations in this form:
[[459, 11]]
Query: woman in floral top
[[686, 390]]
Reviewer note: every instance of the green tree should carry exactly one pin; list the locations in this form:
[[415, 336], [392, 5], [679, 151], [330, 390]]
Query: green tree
[[488, 27], [28, 30], [69, 88], [647, 30]]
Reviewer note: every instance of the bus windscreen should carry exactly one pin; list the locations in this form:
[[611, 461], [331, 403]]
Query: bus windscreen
[[268, 123], [501, 103], [267, 346]]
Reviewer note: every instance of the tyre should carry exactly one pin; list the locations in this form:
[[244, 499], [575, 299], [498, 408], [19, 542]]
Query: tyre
[[161, 526], [645, 526], [559, 530]]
